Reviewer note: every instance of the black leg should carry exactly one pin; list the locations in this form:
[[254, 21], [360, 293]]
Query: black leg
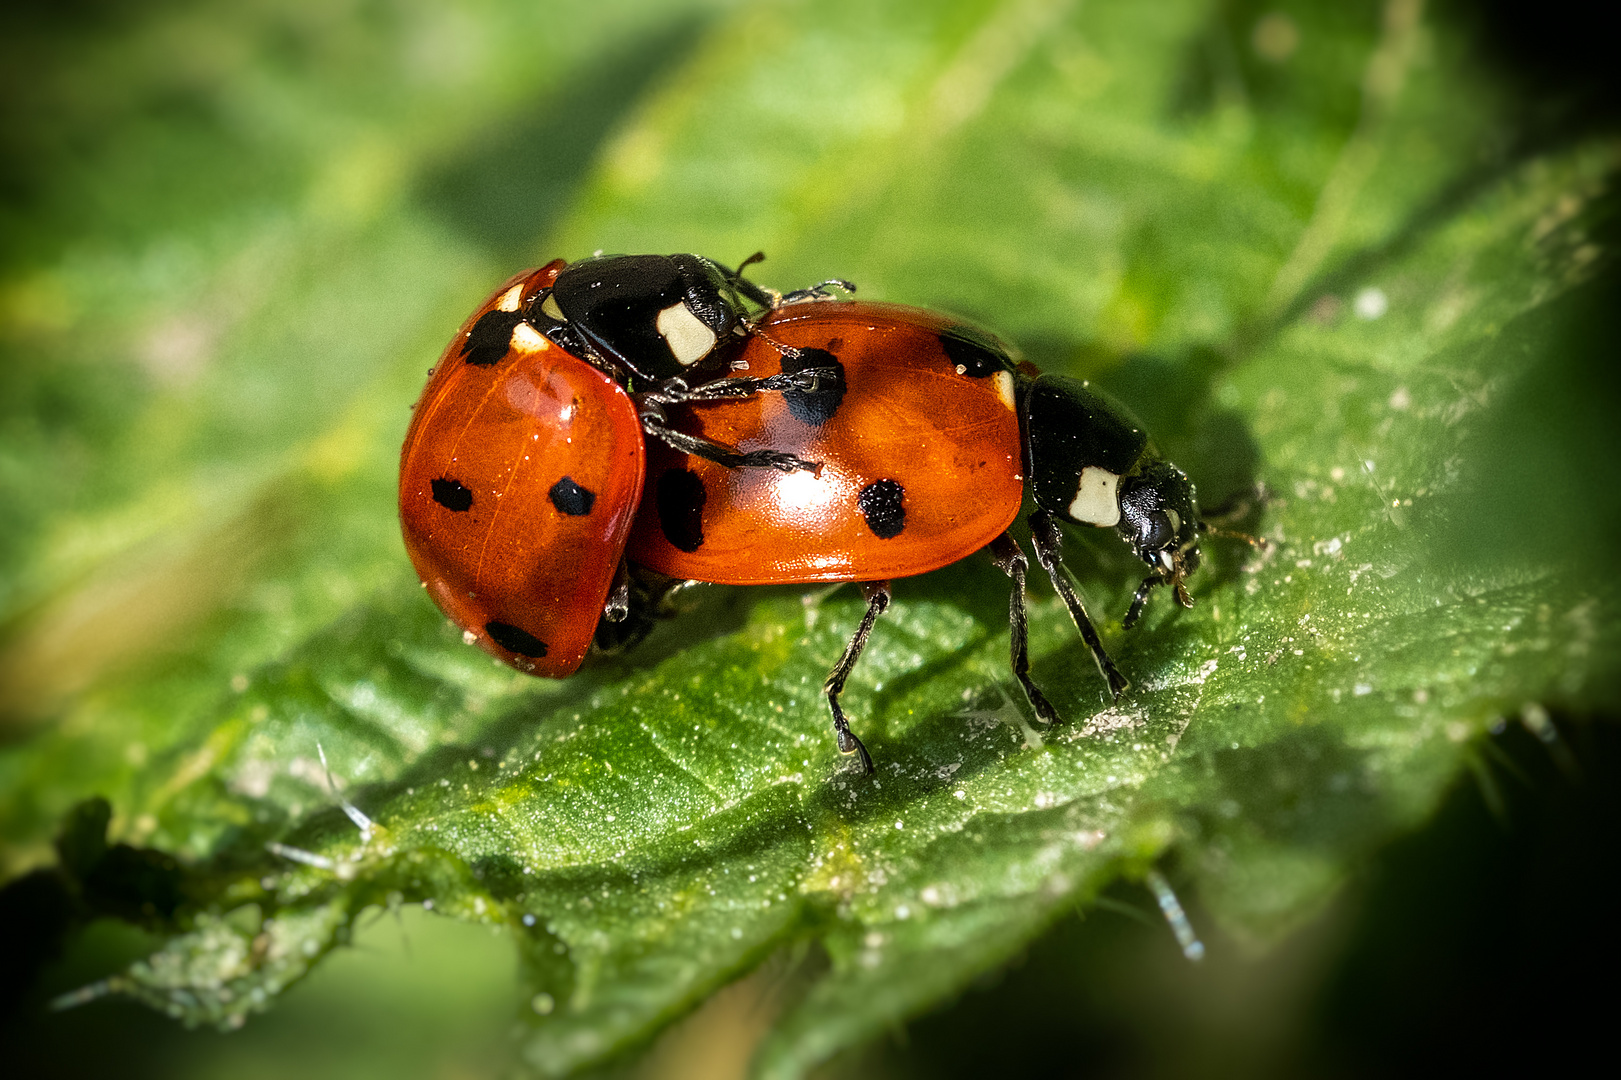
[[617, 606], [647, 598], [809, 381], [1048, 540], [1134, 612], [876, 593], [724, 455], [819, 291], [1009, 558], [769, 298]]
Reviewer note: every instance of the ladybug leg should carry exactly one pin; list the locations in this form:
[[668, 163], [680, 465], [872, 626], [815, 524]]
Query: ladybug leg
[[808, 381], [650, 406], [658, 428], [770, 298], [1010, 559], [819, 291], [1048, 540], [639, 600], [876, 593], [1134, 612], [617, 606]]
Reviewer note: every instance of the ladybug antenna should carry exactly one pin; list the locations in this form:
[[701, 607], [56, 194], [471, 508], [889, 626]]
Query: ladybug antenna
[[769, 299], [1256, 542], [773, 299]]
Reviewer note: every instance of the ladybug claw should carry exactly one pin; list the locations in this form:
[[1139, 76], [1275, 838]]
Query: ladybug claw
[[849, 744]]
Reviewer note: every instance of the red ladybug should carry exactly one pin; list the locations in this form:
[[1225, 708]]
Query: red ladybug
[[519, 477], [928, 436], [524, 461]]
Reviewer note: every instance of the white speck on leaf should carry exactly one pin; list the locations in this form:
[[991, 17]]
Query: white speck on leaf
[[1371, 303]]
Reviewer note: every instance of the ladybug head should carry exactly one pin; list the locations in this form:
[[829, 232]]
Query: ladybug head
[[1159, 518]]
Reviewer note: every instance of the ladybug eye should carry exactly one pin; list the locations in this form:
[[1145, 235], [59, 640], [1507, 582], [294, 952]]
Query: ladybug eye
[[1156, 535]]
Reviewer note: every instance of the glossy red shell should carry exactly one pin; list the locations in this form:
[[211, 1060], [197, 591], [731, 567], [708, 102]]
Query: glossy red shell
[[948, 441], [519, 479]]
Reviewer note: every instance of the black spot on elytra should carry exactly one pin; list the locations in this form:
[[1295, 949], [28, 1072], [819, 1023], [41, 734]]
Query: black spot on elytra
[[515, 640], [681, 499], [490, 337], [976, 360], [451, 495], [881, 503], [570, 498], [814, 406]]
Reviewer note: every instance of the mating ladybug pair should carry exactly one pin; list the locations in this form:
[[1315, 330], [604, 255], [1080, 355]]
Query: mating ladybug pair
[[596, 420]]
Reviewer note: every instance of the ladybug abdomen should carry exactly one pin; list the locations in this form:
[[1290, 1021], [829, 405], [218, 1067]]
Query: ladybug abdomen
[[919, 452]]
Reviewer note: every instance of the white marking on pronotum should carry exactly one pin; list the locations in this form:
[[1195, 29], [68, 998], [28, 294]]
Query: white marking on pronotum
[[1097, 497], [510, 299], [1004, 387], [689, 339], [549, 308], [1176, 520], [526, 338]]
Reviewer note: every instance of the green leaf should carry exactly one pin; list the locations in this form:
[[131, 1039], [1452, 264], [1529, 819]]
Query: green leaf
[[1338, 271]]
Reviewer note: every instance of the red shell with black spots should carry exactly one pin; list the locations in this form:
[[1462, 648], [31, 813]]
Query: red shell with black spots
[[519, 479], [921, 461]]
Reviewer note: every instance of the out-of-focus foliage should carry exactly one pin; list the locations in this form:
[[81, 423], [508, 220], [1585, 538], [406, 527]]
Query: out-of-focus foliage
[[1316, 249]]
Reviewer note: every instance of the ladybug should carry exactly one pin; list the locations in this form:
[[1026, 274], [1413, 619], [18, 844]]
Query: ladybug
[[525, 458], [929, 436]]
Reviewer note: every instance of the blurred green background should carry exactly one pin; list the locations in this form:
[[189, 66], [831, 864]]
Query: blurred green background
[[236, 234]]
